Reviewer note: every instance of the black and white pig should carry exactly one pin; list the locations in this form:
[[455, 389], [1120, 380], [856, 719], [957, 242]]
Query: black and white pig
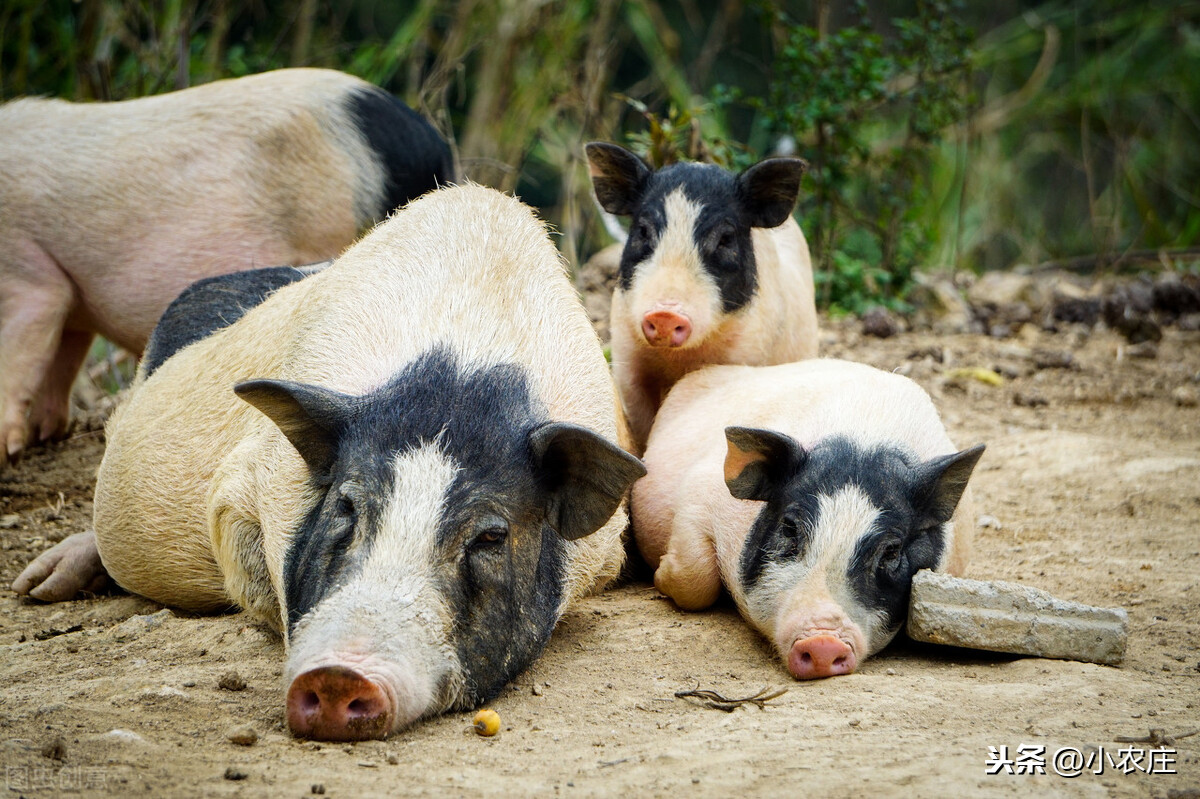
[[408, 463], [813, 492], [715, 271], [110, 210]]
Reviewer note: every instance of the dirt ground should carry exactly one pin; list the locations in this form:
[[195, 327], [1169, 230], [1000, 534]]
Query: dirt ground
[[1090, 489]]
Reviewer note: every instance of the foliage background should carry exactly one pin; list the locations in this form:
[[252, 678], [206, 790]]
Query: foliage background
[[941, 134]]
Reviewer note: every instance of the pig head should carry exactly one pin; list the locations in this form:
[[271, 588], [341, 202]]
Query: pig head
[[828, 562], [432, 568], [714, 270]]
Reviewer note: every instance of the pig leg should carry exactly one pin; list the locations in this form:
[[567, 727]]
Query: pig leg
[[688, 572], [35, 298], [52, 411], [70, 566]]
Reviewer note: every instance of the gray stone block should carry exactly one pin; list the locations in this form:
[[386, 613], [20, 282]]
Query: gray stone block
[[1006, 617]]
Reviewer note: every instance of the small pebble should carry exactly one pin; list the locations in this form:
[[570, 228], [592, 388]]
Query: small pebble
[[318, 789], [55, 749], [1185, 397], [231, 681], [232, 773], [242, 736], [393, 759], [880, 322], [537, 689], [1145, 349], [10, 521]]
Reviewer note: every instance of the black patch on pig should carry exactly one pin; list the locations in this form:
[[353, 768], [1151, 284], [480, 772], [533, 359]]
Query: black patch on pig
[[499, 562], [885, 474], [213, 304], [721, 233], [414, 156]]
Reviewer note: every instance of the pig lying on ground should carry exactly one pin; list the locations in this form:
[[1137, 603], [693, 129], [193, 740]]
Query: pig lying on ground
[[422, 475], [715, 270], [813, 491], [110, 210]]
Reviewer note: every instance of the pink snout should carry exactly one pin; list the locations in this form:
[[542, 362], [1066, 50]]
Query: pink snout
[[666, 328], [820, 656], [334, 703]]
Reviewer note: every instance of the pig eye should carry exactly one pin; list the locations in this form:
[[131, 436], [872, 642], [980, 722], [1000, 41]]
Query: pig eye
[[344, 507], [490, 532], [890, 555], [726, 242]]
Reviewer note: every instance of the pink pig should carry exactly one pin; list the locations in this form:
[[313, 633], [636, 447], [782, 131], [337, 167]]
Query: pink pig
[[715, 270], [813, 492], [110, 210]]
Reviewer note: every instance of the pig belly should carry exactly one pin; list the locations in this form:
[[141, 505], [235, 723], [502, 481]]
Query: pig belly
[[124, 301]]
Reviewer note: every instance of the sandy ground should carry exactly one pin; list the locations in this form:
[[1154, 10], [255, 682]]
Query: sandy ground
[[1092, 483]]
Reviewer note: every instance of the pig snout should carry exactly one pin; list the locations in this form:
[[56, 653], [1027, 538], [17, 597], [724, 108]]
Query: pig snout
[[336, 703], [666, 328], [818, 639], [820, 656]]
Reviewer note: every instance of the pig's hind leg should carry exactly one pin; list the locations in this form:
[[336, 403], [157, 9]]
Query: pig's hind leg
[[35, 300], [51, 412], [58, 574], [688, 572]]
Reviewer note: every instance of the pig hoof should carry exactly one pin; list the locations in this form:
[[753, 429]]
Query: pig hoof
[[70, 566], [14, 442], [820, 656], [334, 703]]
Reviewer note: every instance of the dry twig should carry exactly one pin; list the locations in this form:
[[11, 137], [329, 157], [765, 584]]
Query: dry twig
[[1157, 737], [715, 700]]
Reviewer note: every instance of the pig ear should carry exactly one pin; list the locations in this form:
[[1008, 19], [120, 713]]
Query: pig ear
[[618, 177], [939, 485], [758, 461], [768, 190], [311, 417], [587, 476]]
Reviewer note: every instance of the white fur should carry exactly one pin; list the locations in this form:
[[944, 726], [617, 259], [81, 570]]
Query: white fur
[[390, 618]]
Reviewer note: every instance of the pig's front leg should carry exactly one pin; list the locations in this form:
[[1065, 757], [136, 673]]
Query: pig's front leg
[[35, 299], [58, 574]]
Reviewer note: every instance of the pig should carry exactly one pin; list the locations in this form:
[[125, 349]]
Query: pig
[[110, 210], [715, 271], [813, 492], [408, 463]]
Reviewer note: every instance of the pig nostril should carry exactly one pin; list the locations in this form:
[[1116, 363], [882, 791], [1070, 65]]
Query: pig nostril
[[309, 701], [359, 707]]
